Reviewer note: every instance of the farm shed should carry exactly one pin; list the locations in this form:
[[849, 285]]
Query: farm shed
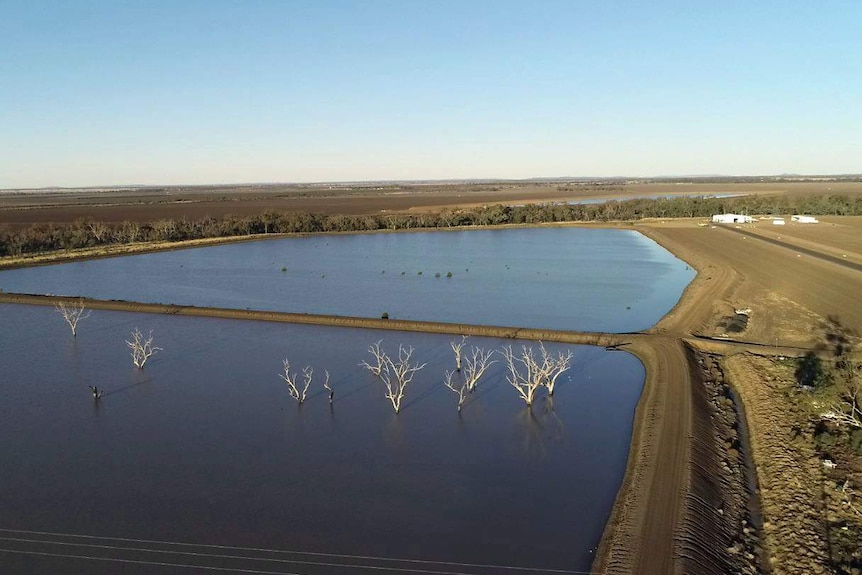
[[804, 219], [732, 219]]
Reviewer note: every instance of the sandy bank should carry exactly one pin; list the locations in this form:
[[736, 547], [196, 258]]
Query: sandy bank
[[582, 338]]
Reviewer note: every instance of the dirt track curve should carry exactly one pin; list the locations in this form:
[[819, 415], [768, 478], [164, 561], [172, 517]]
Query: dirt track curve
[[641, 534]]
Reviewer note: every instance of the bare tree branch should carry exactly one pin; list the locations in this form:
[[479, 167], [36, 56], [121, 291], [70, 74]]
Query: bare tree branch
[[397, 375], [379, 359], [98, 230], [847, 407], [553, 366], [73, 314], [142, 349], [476, 365], [461, 389], [291, 379], [524, 372], [328, 386], [456, 347]]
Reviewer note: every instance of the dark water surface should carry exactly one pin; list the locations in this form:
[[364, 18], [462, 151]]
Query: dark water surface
[[206, 446], [555, 278]]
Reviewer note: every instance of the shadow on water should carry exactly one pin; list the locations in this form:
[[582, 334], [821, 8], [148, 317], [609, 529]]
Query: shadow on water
[[417, 399], [482, 389], [132, 385], [342, 395], [317, 393]]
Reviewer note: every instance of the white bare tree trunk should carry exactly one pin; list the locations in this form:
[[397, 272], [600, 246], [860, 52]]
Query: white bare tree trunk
[[142, 349], [98, 230], [553, 366], [524, 372], [847, 407], [476, 365], [328, 386], [397, 375], [460, 389], [297, 391], [379, 362], [457, 346], [73, 314]]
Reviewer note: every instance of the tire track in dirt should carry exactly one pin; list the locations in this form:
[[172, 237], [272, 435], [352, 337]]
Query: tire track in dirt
[[713, 285], [642, 534], [797, 248], [656, 527], [813, 283]]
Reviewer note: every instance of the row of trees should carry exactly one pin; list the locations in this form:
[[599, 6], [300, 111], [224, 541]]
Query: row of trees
[[88, 233], [528, 371]]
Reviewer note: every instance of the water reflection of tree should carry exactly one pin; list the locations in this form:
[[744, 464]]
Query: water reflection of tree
[[395, 435], [73, 359], [542, 428]]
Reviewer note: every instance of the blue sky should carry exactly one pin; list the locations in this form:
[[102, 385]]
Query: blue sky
[[209, 91]]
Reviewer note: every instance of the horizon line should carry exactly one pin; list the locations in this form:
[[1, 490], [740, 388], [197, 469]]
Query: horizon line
[[438, 181]]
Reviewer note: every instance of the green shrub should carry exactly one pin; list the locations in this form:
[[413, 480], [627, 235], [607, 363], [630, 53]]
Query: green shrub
[[810, 371]]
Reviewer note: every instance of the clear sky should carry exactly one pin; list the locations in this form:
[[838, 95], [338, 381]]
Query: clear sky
[[209, 91]]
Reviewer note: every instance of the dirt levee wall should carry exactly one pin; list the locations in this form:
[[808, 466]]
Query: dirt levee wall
[[603, 339]]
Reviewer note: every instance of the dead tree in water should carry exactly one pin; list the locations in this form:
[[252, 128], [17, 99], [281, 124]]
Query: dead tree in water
[[524, 372], [73, 314], [456, 347], [397, 375], [461, 389], [291, 379], [553, 366], [328, 386], [142, 349], [376, 367], [478, 362]]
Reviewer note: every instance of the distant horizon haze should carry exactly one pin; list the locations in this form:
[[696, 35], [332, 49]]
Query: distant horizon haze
[[457, 181]]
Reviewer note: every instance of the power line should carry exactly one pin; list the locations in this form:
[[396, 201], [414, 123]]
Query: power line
[[150, 563], [244, 557], [284, 552]]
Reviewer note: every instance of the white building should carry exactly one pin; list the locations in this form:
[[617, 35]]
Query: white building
[[804, 219], [732, 219]]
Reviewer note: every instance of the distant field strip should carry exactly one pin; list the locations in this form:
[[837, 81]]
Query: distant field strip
[[791, 246], [77, 552], [573, 337]]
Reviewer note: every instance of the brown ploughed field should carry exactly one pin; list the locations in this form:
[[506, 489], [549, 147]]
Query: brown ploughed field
[[194, 202]]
